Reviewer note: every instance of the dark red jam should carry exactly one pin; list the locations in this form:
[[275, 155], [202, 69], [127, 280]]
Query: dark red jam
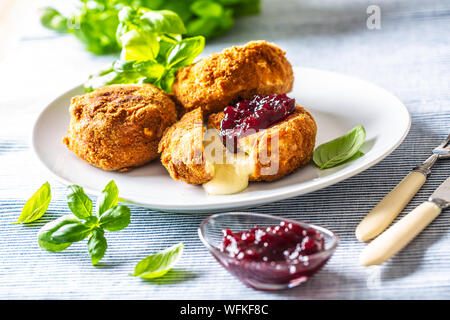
[[250, 116], [286, 242]]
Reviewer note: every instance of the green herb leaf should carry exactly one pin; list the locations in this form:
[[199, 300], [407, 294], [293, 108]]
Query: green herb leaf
[[91, 222], [184, 52], [163, 21], [340, 150], [97, 245], [246, 7], [72, 231], [53, 19], [108, 198], [45, 234], [357, 155], [116, 218], [37, 205], [207, 8], [138, 46], [152, 50], [158, 264], [78, 202], [61, 233], [99, 24]]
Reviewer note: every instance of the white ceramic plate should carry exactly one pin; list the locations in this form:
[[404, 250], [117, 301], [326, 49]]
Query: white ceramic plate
[[337, 102]]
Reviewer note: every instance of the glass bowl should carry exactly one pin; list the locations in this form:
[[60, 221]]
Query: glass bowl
[[263, 275]]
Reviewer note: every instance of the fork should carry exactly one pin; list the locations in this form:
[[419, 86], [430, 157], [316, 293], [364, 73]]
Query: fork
[[394, 202]]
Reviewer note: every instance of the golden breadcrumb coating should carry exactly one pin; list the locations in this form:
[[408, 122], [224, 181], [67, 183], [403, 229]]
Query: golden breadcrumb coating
[[118, 127], [282, 148], [236, 73], [181, 149]]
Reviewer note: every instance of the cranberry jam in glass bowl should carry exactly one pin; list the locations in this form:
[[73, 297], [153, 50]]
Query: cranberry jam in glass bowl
[[267, 252]]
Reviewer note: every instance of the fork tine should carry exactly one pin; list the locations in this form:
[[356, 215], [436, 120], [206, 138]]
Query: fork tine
[[443, 151], [445, 142]]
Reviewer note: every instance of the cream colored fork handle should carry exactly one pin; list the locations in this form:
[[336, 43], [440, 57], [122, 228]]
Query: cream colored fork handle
[[399, 235], [392, 204]]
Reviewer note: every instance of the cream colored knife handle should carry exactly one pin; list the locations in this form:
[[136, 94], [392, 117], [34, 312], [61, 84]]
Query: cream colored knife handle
[[392, 204], [399, 235]]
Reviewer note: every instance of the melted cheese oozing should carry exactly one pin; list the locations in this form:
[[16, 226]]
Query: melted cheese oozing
[[230, 171]]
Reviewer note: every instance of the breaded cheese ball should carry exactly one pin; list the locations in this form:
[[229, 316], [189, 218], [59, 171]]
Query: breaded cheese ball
[[280, 149], [181, 149], [236, 73], [118, 127]]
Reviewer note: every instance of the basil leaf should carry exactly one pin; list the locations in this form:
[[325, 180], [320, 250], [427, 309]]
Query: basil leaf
[[72, 231], [78, 202], [204, 26], [97, 245], [116, 218], [184, 52], [163, 21], [207, 8], [182, 8], [53, 19], [91, 222], [166, 81], [37, 205], [95, 27], [138, 46], [119, 72], [45, 238], [357, 155], [339, 150], [152, 69], [158, 264], [246, 8], [108, 198]]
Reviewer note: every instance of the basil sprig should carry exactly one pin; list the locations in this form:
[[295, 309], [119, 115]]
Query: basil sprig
[[158, 264], [37, 205], [340, 150], [61, 233], [95, 22], [152, 49]]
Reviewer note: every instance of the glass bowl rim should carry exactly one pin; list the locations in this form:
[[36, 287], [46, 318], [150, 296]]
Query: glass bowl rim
[[318, 255]]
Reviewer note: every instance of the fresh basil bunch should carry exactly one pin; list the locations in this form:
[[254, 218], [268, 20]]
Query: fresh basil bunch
[[83, 223], [94, 24], [152, 50], [96, 21]]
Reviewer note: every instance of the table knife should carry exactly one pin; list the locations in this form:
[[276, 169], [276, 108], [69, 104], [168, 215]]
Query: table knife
[[402, 232], [393, 203]]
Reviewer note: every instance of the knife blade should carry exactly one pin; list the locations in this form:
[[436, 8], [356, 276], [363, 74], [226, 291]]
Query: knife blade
[[407, 228], [443, 192]]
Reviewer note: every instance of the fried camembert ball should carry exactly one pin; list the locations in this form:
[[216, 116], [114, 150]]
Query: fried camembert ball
[[281, 148], [118, 127], [268, 154], [181, 149], [236, 73]]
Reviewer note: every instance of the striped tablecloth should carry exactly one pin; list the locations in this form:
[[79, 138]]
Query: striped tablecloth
[[409, 55]]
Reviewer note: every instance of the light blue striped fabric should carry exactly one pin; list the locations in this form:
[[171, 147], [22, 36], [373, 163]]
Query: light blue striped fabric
[[409, 56]]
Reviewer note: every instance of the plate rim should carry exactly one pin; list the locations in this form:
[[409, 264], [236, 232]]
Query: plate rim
[[257, 200]]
